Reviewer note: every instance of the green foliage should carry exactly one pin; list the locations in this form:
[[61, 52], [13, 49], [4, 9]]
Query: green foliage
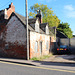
[[64, 27], [47, 14], [49, 17], [42, 57], [35, 58]]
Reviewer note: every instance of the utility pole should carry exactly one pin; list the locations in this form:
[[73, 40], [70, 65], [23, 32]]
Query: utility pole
[[27, 29]]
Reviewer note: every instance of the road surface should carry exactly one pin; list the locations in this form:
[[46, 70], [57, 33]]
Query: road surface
[[7, 68]]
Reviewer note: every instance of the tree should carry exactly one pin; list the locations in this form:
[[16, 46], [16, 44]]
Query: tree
[[64, 27], [47, 14]]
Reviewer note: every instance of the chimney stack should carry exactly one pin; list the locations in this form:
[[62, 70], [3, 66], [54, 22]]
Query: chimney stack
[[12, 7], [39, 15], [9, 11]]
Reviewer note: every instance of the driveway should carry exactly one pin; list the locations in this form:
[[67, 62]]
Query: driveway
[[62, 58]]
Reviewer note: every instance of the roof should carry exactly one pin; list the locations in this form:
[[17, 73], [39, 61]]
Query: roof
[[23, 20], [43, 25], [30, 21], [61, 35]]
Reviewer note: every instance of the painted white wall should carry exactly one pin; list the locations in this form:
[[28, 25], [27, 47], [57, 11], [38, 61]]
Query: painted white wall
[[37, 26], [5, 14], [47, 29]]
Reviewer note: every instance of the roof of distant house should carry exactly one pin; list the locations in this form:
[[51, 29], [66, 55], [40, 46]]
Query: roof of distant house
[[61, 35]]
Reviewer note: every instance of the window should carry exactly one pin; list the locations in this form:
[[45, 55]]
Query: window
[[47, 45], [41, 47], [36, 46]]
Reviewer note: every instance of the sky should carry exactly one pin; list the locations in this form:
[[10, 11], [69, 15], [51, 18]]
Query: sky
[[64, 9]]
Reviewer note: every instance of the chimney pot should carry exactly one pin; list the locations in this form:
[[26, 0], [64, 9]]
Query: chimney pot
[[10, 5], [39, 15]]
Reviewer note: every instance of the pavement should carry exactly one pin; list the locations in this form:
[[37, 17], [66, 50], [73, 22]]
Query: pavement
[[56, 58], [57, 61]]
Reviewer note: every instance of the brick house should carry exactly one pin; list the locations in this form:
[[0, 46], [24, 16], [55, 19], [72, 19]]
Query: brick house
[[13, 35]]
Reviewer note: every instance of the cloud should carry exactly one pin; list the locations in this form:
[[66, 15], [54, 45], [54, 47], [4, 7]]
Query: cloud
[[69, 7], [71, 14], [69, 11], [74, 33]]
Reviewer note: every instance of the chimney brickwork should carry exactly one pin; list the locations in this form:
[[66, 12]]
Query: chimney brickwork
[[10, 10]]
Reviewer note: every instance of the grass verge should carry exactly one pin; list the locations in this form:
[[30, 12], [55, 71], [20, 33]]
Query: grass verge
[[42, 57]]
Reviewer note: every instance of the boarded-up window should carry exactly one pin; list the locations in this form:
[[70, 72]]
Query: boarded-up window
[[36, 46], [47, 45], [41, 46]]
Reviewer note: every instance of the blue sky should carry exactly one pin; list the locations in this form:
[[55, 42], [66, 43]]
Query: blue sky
[[64, 9]]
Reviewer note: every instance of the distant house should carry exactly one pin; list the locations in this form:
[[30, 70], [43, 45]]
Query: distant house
[[72, 43], [62, 39], [73, 35], [13, 35]]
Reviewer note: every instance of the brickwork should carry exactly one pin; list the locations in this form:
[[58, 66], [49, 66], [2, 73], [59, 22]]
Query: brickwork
[[13, 39], [10, 10]]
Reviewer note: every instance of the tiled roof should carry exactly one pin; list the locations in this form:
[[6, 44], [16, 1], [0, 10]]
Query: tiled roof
[[23, 20], [43, 25], [30, 21]]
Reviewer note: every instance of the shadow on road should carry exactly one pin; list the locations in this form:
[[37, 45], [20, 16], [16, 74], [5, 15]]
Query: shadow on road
[[55, 63]]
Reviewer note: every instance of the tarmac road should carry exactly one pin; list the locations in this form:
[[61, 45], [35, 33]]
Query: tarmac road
[[7, 68]]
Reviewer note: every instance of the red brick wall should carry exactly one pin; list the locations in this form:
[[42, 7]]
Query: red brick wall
[[13, 39], [10, 10]]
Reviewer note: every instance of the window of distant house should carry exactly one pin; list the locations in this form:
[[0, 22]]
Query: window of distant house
[[47, 45], [36, 46]]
